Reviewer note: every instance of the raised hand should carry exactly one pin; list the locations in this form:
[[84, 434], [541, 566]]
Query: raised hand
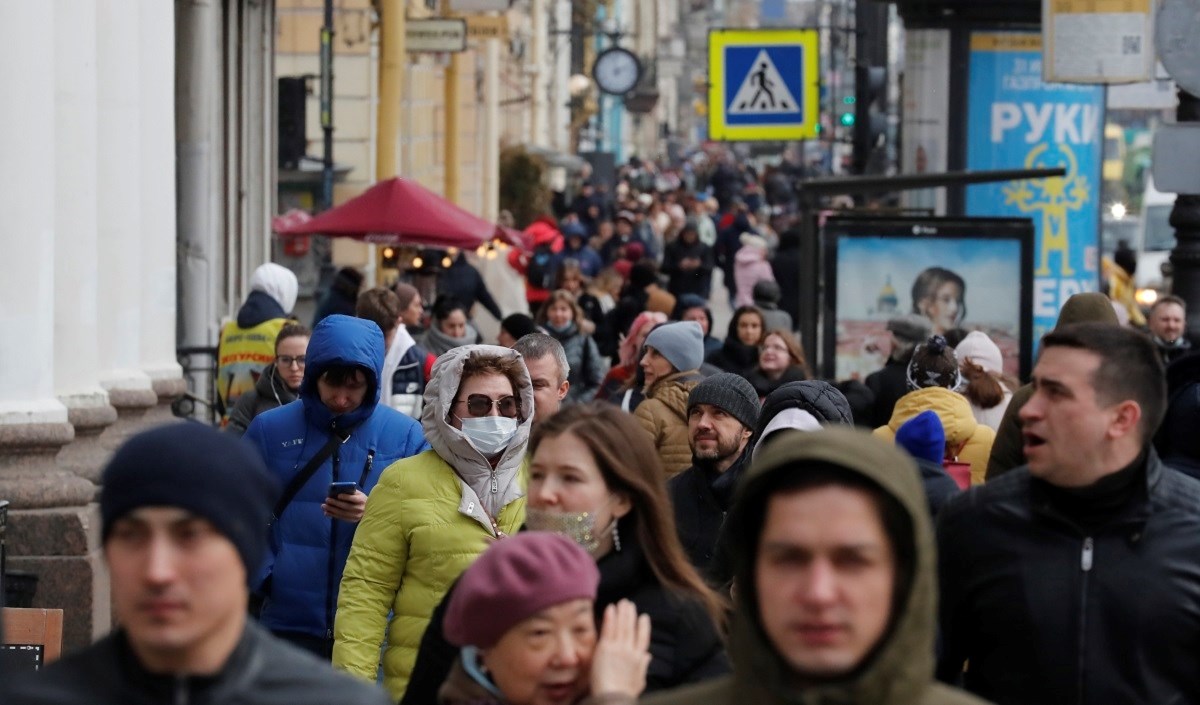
[[622, 653]]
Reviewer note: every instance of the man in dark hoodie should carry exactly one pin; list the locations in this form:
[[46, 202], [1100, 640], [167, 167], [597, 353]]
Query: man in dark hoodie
[[688, 263], [1007, 450], [835, 598], [247, 344], [722, 414], [786, 267], [463, 282], [341, 296], [1177, 441], [766, 297]]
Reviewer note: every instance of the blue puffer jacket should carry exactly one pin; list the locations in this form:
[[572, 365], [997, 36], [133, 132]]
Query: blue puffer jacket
[[308, 550]]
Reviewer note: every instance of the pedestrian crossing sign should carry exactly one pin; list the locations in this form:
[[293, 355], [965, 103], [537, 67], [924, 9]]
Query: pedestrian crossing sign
[[763, 84]]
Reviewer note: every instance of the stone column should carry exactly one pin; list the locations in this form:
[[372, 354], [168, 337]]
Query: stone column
[[157, 186], [76, 369], [121, 294], [52, 529]]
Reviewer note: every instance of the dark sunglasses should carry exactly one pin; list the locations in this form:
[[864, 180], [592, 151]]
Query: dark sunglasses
[[481, 405]]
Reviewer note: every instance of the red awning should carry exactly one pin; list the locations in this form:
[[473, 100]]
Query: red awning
[[393, 212]]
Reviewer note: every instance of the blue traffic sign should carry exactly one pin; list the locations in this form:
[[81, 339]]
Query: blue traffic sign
[[764, 84]]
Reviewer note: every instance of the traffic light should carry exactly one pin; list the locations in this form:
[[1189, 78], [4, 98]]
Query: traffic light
[[847, 118], [870, 113]]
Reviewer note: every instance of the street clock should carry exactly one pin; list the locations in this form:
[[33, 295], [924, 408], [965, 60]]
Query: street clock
[[616, 71]]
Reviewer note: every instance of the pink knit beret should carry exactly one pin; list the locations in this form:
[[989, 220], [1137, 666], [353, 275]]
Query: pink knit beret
[[514, 579]]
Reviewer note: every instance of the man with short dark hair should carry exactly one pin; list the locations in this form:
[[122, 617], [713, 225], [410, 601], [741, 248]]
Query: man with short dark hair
[[722, 414], [1075, 578], [1168, 328], [548, 370], [835, 595], [183, 512], [1087, 307]]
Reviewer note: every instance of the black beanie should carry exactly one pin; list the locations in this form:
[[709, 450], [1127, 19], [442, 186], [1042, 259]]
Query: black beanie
[[190, 466], [731, 393]]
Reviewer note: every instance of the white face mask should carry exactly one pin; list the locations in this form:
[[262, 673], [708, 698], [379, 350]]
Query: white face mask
[[489, 434]]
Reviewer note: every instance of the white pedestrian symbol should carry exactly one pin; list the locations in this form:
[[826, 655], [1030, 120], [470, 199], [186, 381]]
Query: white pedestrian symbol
[[763, 91]]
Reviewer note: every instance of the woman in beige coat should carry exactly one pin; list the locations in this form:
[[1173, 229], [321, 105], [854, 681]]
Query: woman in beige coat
[[671, 361]]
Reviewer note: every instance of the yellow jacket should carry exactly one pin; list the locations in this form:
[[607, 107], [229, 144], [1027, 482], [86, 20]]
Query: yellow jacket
[[962, 430], [1122, 290], [414, 541]]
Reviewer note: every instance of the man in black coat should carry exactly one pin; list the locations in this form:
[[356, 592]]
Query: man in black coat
[[722, 414], [1076, 578], [785, 264], [890, 382], [463, 282], [183, 516]]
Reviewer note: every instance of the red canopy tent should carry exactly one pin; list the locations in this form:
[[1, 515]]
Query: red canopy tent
[[393, 212]]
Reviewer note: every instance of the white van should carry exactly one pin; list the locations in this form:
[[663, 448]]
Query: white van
[[1156, 238]]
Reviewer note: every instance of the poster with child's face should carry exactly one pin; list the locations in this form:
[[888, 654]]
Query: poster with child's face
[[958, 280]]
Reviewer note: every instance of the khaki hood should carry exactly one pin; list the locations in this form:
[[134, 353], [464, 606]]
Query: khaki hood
[[900, 669]]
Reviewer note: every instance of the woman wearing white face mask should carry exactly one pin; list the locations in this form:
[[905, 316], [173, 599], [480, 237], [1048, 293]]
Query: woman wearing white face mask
[[432, 515], [595, 478]]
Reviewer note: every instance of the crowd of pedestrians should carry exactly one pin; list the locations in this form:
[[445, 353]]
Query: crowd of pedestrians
[[615, 503]]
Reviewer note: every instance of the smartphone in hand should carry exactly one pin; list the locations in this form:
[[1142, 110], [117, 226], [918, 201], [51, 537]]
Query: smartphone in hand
[[341, 488]]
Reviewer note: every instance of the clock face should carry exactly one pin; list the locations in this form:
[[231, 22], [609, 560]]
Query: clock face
[[616, 71]]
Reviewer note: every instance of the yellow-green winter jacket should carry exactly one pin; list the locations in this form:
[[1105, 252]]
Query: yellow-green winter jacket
[[424, 524]]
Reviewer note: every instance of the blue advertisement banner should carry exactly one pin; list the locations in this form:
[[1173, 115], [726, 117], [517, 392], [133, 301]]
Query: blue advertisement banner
[[1015, 120]]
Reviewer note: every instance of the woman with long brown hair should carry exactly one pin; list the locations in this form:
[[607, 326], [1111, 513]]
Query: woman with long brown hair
[[595, 478]]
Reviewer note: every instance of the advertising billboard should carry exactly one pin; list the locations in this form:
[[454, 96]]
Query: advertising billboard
[[960, 273], [1016, 120]]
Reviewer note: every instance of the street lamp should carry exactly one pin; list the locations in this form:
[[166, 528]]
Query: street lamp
[[579, 85]]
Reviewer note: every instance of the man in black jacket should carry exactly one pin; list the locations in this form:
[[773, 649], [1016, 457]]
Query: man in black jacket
[[890, 382], [1076, 578], [184, 511], [722, 413]]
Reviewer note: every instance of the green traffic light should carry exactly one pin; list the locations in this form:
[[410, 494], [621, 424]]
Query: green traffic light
[[848, 119]]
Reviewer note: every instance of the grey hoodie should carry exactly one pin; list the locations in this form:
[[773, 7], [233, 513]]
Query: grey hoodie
[[472, 468]]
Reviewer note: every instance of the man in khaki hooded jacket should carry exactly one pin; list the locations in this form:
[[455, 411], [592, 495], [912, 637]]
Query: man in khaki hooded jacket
[[835, 579]]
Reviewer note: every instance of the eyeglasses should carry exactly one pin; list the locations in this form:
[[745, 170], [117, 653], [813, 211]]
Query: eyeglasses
[[481, 405], [775, 348], [287, 360]]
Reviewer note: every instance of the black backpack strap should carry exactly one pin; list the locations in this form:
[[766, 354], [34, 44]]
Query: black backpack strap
[[306, 473]]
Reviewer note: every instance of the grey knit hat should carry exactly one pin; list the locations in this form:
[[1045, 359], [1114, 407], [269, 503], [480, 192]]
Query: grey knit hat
[[731, 393], [682, 343], [910, 327]]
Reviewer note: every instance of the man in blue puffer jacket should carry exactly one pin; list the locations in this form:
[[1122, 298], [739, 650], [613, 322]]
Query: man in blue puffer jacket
[[311, 538]]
